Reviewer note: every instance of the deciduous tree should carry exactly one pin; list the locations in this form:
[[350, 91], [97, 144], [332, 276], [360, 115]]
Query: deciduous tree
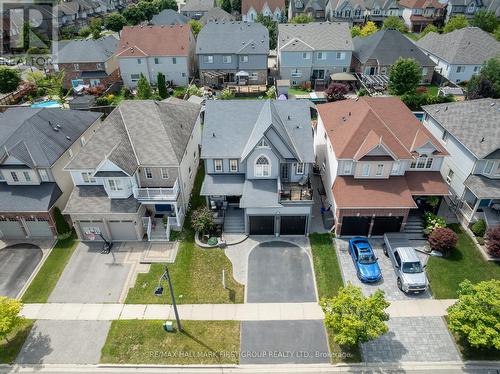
[[455, 23], [487, 83], [368, 29], [404, 77], [336, 92], [302, 18], [355, 31], [493, 241], [115, 22], [9, 80], [202, 220], [485, 20], [396, 23], [272, 28], [9, 316], [429, 28], [144, 91], [195, 26]]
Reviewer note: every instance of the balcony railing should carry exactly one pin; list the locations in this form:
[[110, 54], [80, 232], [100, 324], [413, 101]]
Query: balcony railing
[[157, 193], [295, 192]]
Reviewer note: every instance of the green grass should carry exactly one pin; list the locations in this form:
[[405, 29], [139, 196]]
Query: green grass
[[465, 262], [44, 282], [298, 91], [145, 342], [412, 36], [328, 281], [196, 274], [10, 348], [432, 89]]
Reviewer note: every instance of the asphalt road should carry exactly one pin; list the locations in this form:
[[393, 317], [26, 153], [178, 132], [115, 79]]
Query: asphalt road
[[17, 263]]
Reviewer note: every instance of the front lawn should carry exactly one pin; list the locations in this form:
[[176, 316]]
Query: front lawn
[[10, 347], [328, 282], [465, 262], [46, 279], [196, 274], [145, 342]]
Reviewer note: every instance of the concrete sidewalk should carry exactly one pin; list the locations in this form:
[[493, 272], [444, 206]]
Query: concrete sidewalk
[[214, 312]]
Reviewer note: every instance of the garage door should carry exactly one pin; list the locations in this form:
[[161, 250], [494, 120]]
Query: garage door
[[96, 226], [352, 226], [261, 225], [293, 225], [124, 230], [381, 225], [39, 228], [11, 228]]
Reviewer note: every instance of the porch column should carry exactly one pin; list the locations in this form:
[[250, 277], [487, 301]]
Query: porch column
[[177, 215]]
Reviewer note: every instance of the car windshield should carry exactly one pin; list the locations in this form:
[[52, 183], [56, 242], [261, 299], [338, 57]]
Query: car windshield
[[367, 258], [412, 267]]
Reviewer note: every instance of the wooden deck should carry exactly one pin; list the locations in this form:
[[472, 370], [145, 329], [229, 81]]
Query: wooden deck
[[255, 89]]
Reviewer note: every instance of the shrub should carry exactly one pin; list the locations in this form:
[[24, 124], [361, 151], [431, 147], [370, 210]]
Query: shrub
[[492, 240], [226, 94], [363, 92], [271, 93], [193, 90], [421, 90], [443, 240], [62, 226], [479, 228], [202, 220], [433, 222], [336, 92], [9, 80]]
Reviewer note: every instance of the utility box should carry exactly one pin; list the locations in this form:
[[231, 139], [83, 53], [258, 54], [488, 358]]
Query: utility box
[[168, 326]]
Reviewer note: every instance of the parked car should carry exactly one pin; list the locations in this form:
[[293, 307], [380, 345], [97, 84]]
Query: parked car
[[409, 271], [364, 260]]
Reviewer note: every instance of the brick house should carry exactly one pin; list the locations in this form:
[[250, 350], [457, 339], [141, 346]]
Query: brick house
[[378, 164]]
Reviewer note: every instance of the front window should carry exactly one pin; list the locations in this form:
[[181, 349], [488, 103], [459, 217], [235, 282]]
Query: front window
[[412, 267], [14, 176], [115, 185], [300, 168], [380, 170], [87, 177], [43, 175], [208, 59], [148, 173], [423, 162], [164, 173], [395, 167], [226, 59], [233, 165], [27, 176], [366, 170], [262, 167], [244, 58], [218, 165]]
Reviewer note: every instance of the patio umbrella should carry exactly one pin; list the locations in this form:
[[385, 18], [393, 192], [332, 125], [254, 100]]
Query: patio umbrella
[[342, 77], [242, 74], [282, 97]]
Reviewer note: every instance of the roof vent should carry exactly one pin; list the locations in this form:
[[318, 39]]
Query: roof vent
[[55, 129], [213, 135], [288, 117], [299, 126], [344, 119], [492, 104], [437, 110], [482, 140], [58, 126], [349, 114], [67, 137], [446, 108]]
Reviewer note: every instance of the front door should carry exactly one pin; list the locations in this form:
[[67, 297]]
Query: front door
[[318, 74], [284, 172]]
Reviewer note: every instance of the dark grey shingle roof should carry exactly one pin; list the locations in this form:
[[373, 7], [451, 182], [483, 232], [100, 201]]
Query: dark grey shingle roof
[[471, 121], [216, 15], [88, 50], [469, 45], [27, 133], [227, 185], [260, 193], [94, 199], [24, 198], [237, 37], [198, 5], [483, 187], [387, 46], [322, 36], [169, 17]]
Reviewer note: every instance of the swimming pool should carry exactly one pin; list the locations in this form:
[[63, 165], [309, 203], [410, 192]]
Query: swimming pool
[[47, 104]]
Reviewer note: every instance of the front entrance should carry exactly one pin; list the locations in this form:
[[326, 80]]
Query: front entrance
[[233, 199], [285, 172], [261, 225], [293, 225]]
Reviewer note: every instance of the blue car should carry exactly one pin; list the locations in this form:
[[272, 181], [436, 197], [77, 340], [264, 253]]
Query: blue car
[[364, 260]]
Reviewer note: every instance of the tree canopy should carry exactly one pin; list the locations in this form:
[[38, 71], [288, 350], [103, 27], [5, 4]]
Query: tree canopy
[[404, 77], [9, 316], [455, 23], [429, 28], [487, 83], [355, 31], [144, 90], [115, 22], [272, 27], [396, 23], [485, 20], [9, 80], [302, 18], [226, 5], [368, 29], [195, 26]]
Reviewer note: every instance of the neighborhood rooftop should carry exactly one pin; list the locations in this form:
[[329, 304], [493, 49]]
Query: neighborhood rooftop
[[469, 45], [475, 124], [88, 50], [315, 36], [169, 17], [38, 137], [197, 5], [258, 5]]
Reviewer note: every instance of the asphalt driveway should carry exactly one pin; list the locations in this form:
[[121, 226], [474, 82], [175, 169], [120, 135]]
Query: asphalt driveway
[[17, 263], [92, 277], [279, 272], [388, 283]]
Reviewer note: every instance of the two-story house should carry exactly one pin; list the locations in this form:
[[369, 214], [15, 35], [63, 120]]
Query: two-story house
[[195, 9], [35, 144], [169, 17], [378, 163], [258, 155], [149, 50], [134, 178], [313, 51], [352, 11], [89, 62], [376, 53], [234, 52], [460, 54], [417, 14], [465, 8], [313, 8], [471, 133], [216, 15], [275, 9]]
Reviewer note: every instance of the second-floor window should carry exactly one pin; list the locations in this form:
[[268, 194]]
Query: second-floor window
[[148, 173], [14, 176], [233, 165], [208, 59], [244, 58], [321, 55], [27, 176], [380, 170], [164, 173], [347, 169], [157, 61], [174, 60], [423, 162], [340, 55], [300, 168], [488, 167], [2, 178], [449, 177], [43, 175], [306, 55], [226, 59], [115, 185], [218, 165], [87, 177], [395, 167], [76, 66], [460, 69], [98, 66], [139, 61], [262, 167], [366, 170]]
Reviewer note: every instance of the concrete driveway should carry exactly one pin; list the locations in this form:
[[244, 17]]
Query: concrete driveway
[[64, 342], [280, 272], [92, 277], [388, 283], [17, 263]]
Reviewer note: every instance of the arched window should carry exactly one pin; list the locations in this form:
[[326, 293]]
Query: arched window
[[262, 167]]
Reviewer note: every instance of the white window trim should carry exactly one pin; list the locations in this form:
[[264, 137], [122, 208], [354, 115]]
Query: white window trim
[[490, 164], [306, 56], [218, 162], [380, 170], [44, 176], [2, 178], [300, 168], [148, 171], [115, 185], [87, 177], [233, 162], [262, 170], [395, 167], [347, 169], [244, 58], [164, 173], [422, 160], [449, 176], [208, 59], [27, 176], [226, 59], [365, 171]]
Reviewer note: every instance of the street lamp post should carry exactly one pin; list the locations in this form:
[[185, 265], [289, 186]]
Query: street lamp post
[[159, 292]]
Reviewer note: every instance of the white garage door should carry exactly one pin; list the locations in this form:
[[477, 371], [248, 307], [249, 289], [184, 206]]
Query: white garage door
[[92, 226], [122, 230], [39, 228], [11, 228]]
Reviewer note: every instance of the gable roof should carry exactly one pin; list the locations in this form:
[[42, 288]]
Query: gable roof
[[323, 36], [28, 133], [198, 5], [258, 5], [421, 4], [357, 126], [141, 132], [250, 37], [300, 6], [169, 17], [216, 15], [140, 41], [474, 123], [88, 50], [386, 46], [232, 128], [354, 4], [469, 45]]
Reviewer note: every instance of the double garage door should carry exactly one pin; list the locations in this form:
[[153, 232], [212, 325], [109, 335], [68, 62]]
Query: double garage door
[[12, 228], [354, 226], [119, 230], [289, 225]]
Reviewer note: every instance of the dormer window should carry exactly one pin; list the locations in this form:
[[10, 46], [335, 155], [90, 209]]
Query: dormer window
[[423, 162], [263, 143], [262, 167], [488, 167]]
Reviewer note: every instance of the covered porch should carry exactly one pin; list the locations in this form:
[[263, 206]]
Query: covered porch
[[481, 200], [161, 219]]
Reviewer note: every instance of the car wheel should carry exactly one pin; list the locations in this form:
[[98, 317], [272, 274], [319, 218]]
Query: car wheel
[[384, 248], [400, 284]]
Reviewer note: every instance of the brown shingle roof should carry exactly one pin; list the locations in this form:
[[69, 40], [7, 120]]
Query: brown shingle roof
[[136, 41], [357, 126], [426, 183], [258, 5], [421, 4]]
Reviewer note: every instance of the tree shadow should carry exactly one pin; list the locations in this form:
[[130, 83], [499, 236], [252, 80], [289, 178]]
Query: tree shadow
[[35, 348], [232, 294]]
